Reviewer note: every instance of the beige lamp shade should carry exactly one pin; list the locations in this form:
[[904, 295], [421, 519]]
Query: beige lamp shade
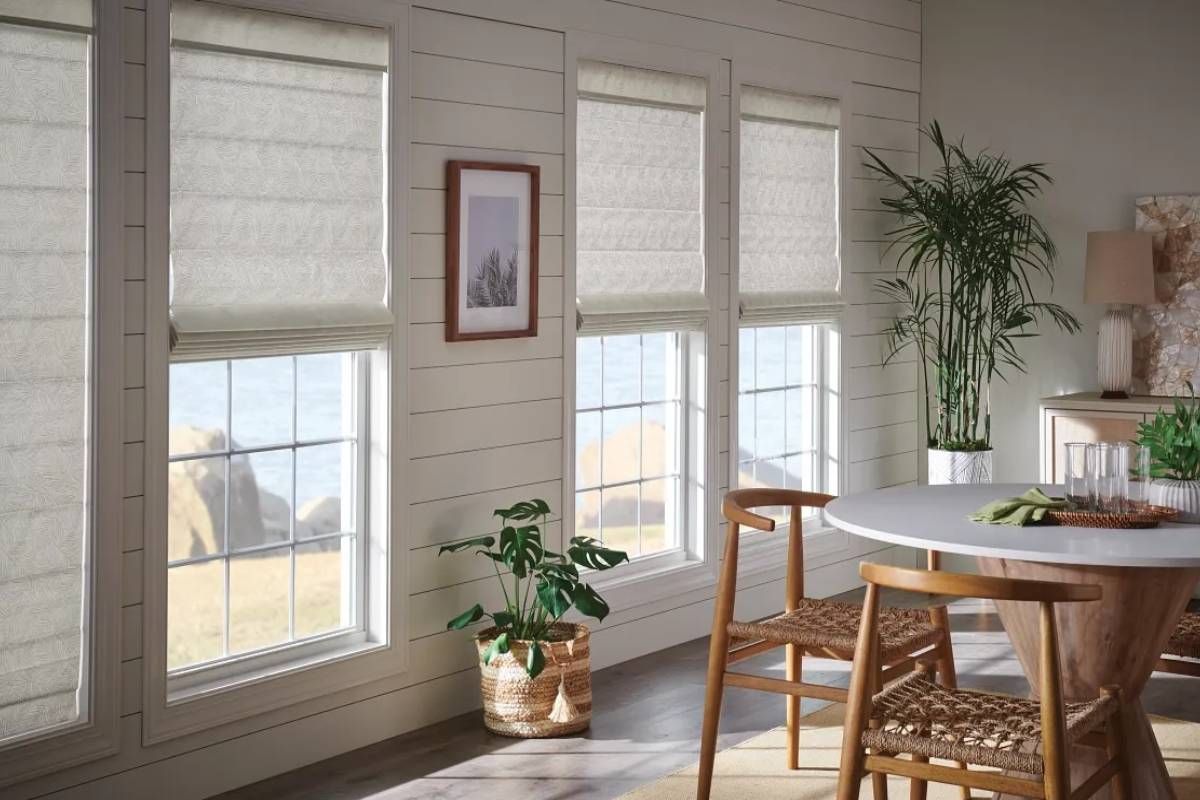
[[1120, 268]]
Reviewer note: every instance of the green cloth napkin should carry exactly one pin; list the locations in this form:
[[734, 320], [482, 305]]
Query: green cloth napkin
[[1029, 508]]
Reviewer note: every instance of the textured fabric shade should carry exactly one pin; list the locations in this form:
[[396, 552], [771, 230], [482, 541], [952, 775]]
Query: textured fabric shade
[[789, 268], [277, 184], [1120, 268], [44, 402], [58, 13], [639, 200]]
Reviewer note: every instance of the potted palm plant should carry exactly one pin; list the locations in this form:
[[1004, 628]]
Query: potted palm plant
[[535, 668], [1174, 441], [970, 251]]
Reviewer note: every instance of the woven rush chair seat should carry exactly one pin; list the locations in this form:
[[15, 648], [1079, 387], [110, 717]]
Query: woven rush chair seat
[[1185, 642], [832, 625], [916, 715]]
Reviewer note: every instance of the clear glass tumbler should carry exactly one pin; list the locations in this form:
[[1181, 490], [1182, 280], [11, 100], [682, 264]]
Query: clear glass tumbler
[[1112, 477], [1138, 460], [1079, 476]]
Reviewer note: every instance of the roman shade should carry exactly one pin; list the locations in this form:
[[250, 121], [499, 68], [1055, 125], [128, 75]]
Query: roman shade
[[66, 14], [277, 184], [789, 266], [639, 199], [44, 364]]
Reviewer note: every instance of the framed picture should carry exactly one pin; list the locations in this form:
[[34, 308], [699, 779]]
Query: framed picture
[[491, 250]]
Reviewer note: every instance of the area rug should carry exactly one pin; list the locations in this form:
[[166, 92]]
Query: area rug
[[757, 767]]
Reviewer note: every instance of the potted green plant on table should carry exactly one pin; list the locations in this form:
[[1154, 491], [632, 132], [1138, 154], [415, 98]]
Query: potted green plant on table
[[970, 250], [535, 669], [1173, 438]]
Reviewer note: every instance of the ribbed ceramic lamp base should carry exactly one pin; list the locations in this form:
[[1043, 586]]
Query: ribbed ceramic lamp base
[[1114, 362]]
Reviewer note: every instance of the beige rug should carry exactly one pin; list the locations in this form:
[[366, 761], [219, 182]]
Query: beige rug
[[756, 768]]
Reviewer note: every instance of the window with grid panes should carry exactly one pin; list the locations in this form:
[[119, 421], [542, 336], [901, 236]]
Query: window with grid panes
[[787, 408], [628, 402], [265, 490]]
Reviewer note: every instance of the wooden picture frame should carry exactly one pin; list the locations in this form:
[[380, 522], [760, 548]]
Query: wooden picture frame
[[491, 250]]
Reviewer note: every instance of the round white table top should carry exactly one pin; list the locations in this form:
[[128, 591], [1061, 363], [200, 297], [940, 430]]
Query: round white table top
[[935, 518]]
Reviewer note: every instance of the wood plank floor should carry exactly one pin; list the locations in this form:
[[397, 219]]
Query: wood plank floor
[[646, 725]]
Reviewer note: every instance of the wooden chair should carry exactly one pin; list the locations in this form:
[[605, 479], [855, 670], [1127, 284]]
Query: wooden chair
[[821, 628], [918, 717], [1182, 654]]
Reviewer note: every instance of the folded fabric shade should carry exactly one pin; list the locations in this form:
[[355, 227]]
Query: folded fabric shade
[[1029, 508]]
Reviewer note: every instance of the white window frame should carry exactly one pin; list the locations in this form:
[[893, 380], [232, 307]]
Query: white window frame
[[296, 674], [97, 734], [694, 564], [824, 544], [184, 680]]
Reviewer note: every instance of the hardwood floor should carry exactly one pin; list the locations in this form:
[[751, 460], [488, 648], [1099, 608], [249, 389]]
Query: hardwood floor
[[646, 725]]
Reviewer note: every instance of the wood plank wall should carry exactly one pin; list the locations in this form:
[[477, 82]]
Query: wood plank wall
[[486, 417]]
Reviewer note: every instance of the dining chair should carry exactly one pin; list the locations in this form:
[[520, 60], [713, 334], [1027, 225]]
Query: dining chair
[[1182, 653], [918, 717], [820, 628]]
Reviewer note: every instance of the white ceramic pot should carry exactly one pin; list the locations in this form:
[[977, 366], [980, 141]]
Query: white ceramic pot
[[1183, 495], [958, 466]]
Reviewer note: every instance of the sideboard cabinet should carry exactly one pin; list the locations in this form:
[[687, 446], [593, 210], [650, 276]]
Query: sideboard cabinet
[[1084, 417]]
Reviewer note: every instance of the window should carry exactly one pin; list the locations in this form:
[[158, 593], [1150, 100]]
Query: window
[[45, 360], [279, 276], [789, 274], [262, 533], [787, 400], [628, 441], [640, 286]]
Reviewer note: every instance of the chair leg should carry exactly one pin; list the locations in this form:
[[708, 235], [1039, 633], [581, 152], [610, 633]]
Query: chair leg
[[947, 673], [858, 698], [795, 662], [918, 789], [718, 655], [1115, 747], [879, 787]]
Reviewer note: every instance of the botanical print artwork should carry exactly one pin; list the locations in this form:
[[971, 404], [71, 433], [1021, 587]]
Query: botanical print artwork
[[1166, 343], [492, 252]]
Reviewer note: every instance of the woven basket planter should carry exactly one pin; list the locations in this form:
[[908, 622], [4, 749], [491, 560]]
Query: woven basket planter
[[556, 703]]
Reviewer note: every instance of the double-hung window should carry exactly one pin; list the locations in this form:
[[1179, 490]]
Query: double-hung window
[[279, 276], [641, 299], [46, 340], [789, 291]]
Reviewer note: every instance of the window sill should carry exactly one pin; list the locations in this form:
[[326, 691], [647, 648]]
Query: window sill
[[215, 679], [763, 553], [656, 578]]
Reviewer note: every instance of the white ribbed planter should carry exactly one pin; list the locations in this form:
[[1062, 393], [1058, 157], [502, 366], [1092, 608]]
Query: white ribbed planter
[[955, 466], [1181, 495]]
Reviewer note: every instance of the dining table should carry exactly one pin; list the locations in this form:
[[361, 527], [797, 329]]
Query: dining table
[[1147, 577]]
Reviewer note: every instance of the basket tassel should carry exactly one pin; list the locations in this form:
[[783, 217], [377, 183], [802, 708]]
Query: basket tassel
[[564, 710]]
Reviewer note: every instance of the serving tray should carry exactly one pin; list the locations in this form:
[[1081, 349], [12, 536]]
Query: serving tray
[[1149, 518]]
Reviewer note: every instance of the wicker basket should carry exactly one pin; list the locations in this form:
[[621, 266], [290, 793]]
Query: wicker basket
[[556, 703], [1148, 518]]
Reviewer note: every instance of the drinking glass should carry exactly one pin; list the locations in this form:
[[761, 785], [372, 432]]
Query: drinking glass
[[1112, 477], [1081, 491], [1138, 457]]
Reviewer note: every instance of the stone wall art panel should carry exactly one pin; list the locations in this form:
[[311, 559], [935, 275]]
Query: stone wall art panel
[[1166, 336]]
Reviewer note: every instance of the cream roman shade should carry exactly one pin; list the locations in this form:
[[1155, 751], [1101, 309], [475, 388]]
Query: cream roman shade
[[277, 184], [44, 364], [66, 14], [789, 266], [639, 230]]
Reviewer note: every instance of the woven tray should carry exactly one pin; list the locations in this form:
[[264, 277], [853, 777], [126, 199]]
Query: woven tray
[[1106, 519]]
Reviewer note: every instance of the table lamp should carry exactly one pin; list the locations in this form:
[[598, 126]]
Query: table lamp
[[1120, 273]]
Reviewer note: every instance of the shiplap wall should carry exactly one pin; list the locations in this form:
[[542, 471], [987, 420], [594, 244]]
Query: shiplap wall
[[485, 425]]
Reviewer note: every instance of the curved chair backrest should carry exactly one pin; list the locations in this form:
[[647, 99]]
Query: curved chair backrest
[[738, 502], [988, 588]]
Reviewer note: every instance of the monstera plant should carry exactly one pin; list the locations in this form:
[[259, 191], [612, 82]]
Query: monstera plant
[[539, 586]]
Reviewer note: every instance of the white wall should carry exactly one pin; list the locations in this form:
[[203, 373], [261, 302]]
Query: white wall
[[1105, 92], [487, 82]]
